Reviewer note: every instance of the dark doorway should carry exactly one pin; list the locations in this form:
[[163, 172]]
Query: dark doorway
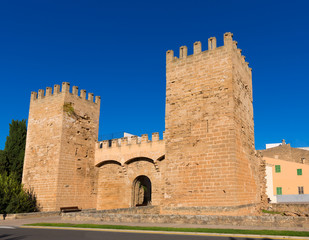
[[141, 191]]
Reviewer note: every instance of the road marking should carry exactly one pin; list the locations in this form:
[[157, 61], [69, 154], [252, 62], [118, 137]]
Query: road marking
[[171, 233], [7, 227]]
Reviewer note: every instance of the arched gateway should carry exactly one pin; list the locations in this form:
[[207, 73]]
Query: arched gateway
[[141, 194]]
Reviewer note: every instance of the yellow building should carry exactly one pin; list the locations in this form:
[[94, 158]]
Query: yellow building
[[287, 181]]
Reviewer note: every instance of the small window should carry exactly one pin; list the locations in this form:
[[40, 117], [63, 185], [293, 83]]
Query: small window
[[300, 190], [277, 168], [299, 171], [279, 190]]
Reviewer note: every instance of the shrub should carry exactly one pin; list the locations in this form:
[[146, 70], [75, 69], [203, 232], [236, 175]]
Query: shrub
[[13, 197]]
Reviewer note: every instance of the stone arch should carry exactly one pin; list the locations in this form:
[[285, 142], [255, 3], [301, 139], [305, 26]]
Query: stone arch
[[139, 159], [100, 164], [110, 185], [141, 191], [161, 158]]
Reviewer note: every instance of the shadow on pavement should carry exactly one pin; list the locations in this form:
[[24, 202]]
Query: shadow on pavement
[[4, 235], [11, 237]]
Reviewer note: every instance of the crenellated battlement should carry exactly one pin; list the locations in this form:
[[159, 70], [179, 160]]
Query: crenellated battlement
[[63, 126], [198, 164], [65, 89], [229, 44], [130, 141]]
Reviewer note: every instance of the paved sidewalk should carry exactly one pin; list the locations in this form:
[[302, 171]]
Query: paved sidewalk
[[57, 219]]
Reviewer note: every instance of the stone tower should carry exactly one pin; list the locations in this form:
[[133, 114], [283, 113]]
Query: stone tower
[[61, 138], [210, 154]]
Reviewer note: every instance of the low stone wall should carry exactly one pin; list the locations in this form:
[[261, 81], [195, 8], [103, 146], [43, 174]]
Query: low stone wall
[[240, 210], [133, 210], [260, 221], [32, 215], [297, 208], [249, 209]]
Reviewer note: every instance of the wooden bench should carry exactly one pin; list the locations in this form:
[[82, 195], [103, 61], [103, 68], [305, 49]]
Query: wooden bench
[[69, 209]]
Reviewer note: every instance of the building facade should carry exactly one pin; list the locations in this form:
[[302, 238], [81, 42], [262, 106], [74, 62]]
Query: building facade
[[205, 163], [287, 173]]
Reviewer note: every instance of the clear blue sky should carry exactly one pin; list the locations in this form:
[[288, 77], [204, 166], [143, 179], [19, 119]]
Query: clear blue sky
[[116, 49]]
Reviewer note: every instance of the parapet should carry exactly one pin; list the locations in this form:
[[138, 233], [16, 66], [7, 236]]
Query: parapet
[[65, 89], [212, 45], [129, 141]]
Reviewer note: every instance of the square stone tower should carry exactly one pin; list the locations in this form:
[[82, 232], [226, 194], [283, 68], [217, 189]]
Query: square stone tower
[[210, 154], [59, 157]]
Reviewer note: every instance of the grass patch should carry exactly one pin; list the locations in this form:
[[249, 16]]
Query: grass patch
[[271, 212], [68, 108], [199, 230]]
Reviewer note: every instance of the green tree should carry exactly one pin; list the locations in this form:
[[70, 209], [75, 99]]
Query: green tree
[[13, 198], [4, 166], [12, 157]]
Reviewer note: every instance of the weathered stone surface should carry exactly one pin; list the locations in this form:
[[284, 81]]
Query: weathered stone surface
[[205, 163], [259, 221], [290, 209], [60, 149], [32, 215], [209, 129]]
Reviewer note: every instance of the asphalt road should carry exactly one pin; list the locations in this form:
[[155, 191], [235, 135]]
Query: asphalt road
[[59, 234]]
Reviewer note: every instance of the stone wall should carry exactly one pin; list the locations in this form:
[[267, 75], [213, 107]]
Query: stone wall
[[43, 147], [210, 156], [59, 157], [259, 221], [212, 210], [125, 149], [115, 185], [297, 208], [32, 215], [205, 162], [121, 163], [262, 182], [131, 210], [77, 183]]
